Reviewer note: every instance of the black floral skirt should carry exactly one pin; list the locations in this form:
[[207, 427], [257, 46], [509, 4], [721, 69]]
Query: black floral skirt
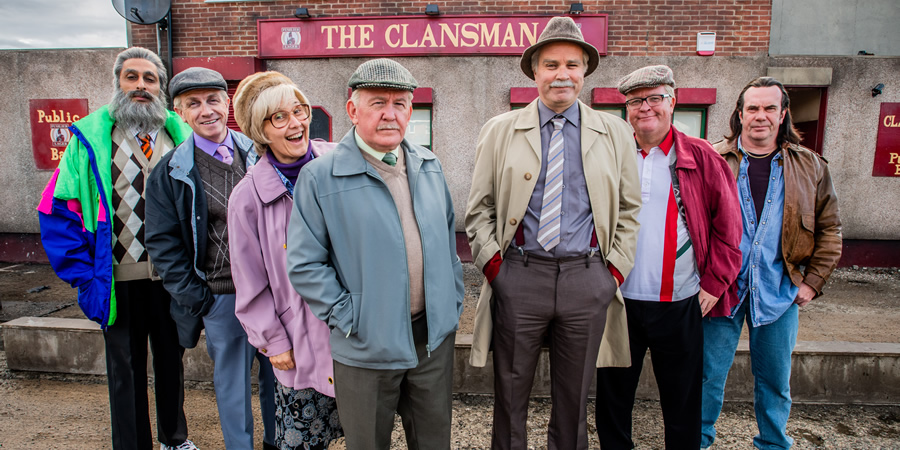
[[304, 419]]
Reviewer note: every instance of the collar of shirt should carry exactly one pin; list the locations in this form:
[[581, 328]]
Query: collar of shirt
[[665, 146], [368, 149], [209, 147], [763, 278], [572, 114], [746, 154], [136, 133]]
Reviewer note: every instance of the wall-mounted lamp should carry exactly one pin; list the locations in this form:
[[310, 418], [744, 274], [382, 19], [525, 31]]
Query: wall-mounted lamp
[[876, 91], [301, 13], [576, 8], [431, 9]]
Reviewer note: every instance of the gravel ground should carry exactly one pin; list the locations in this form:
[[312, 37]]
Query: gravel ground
[[71, 411]]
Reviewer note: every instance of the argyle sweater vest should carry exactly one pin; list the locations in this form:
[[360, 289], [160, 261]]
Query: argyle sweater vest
[[130, 169], [218, 181]]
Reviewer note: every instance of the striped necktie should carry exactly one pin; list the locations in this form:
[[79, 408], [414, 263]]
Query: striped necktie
[[145, 146], [390, 159], [548, 227]]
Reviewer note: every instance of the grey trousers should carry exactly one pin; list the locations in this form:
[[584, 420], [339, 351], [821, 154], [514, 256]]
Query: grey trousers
[[567, 300], [368, 398], [232, 355]]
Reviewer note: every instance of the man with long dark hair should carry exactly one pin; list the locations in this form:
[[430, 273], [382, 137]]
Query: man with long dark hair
[[791, 243]]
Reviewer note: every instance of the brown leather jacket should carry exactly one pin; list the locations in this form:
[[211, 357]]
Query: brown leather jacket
[[811, 231]]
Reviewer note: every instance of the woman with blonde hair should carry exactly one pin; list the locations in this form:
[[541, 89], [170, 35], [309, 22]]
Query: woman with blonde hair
[[273, 112]]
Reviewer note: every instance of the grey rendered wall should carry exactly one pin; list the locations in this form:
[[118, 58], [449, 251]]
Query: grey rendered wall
[[835, 27], [469, 91], [37, 74]]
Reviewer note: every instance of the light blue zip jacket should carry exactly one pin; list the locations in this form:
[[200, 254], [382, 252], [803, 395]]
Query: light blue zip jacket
[[347, 258]]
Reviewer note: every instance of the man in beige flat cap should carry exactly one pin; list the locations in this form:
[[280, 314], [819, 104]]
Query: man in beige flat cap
[[553, 242], [371, 248], [687, 258]]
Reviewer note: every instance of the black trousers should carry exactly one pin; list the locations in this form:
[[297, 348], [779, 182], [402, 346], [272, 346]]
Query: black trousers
[[143, 312], [673, 332]]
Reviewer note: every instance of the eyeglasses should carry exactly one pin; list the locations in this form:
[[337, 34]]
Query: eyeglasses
[[653, 100], [280, 119]]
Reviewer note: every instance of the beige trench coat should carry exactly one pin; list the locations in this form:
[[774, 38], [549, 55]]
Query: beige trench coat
[[507, 165]]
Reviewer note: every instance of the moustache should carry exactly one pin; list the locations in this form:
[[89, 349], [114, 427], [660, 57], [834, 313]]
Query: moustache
[[391, 126], [562, 84], [139, 94]]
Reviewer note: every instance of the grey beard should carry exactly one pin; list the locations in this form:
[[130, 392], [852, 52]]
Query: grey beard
[[142, 117]]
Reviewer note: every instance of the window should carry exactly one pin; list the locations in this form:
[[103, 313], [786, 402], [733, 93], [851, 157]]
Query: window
[[419, 129], [618, 112], [690, 121], [690, 109], [320, 124]]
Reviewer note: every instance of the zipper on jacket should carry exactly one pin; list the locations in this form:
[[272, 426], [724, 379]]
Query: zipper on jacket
[[412, 200], [409, 329]]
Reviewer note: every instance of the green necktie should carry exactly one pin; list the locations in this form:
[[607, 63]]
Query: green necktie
[[390, 159]]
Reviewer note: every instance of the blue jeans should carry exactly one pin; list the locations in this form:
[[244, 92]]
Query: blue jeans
[[232, 355], [770, 358]]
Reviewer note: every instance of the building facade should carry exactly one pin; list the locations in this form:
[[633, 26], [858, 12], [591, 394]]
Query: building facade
[[831, 54]]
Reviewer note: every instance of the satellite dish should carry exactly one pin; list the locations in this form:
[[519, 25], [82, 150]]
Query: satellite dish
[[143, 12]]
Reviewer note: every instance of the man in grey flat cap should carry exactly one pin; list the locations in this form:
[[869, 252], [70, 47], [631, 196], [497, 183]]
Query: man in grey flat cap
[[553, 242], [187, 238], [372, 250], [687, 258]]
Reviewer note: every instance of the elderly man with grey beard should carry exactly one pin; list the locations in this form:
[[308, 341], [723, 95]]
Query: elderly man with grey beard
[[92, 228]]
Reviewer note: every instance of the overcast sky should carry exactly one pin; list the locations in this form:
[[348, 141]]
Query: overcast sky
[[60, 24]]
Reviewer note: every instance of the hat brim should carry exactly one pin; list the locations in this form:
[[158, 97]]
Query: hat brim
[[593, 55], [197, 86]]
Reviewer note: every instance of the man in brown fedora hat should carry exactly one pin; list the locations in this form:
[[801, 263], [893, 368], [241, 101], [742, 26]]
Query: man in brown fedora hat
[[553, 242]]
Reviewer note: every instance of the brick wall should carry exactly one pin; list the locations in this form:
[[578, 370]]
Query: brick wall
[[636, 27]]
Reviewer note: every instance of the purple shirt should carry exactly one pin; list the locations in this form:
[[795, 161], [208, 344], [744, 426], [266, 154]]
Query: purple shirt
[[577, 221], [209, 147]]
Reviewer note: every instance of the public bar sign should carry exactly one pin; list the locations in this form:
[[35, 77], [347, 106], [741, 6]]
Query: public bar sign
[[413, 35], [887, 144], [50, 120]]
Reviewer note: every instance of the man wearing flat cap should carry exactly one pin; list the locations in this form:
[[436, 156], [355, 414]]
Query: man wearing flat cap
[[687, 258], [372, 250], [187, 237], [552, 222]]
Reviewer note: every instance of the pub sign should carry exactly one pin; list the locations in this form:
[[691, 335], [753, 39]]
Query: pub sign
[[334, 37], [887, 144], [50, 120]]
